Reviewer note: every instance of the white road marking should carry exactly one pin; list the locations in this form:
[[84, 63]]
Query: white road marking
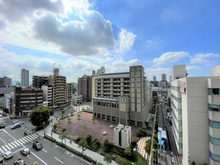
[[9, 134], [10, 145], [1, 151], [44, 150], [4, 148], [7, 147], [58, 160], [2, 140], [39, 158]]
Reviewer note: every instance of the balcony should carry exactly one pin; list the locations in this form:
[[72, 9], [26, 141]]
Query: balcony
[[214, 116], [215, 149]]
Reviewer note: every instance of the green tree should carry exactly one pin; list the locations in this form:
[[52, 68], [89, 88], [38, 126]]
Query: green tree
[[40, 115], [93, 120], [62, 113], [148, 146], [63, 135], [55, 127], [88, 138], [128, 151], [69, 120], [108, 158], [193, 163], [78, 115], [83, 144], [120, 161]]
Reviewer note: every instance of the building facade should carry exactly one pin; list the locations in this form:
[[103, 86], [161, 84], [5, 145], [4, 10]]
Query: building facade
[[48, 94], [26, 99], [38, 81], [122, 97], [5, 81], [58, 83], [195, 103], [69, 93], [163, 77], [24, 77], [85, 88]]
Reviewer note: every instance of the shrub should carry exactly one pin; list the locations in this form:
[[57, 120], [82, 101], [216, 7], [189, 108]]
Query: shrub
[[88, 138]]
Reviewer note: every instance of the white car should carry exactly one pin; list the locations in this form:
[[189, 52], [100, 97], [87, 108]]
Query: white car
[[25, 151], [8, 155]]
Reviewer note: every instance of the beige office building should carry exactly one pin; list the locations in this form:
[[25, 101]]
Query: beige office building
[[58, 83], [195, 103], [122, 97]]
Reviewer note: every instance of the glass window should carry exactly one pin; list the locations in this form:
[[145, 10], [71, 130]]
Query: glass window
[[215, 157], [214, 140], [214, 124]]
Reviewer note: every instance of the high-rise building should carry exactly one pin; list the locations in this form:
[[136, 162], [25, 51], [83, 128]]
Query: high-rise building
[[26, 99], [48, 94], [122, 97], [5, 81], [58, 83], [195, 103], [154, 78], [163, 77], [24, 77], [69, 93], [38, 81], [85, 88]]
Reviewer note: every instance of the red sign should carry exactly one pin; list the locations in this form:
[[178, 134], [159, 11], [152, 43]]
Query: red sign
[[182, 89]]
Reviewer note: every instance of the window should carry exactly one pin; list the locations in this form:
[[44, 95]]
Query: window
[[215, 157], [214, 124], [139, 124], [213, 107], [215, 91], [214, 140]]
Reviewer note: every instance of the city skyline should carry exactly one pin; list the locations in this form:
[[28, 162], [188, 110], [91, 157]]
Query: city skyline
[[83, 36]]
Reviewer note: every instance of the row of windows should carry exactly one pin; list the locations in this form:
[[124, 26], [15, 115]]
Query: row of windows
[[175, 127], [214, 124], [214, 140], [213, 107], [213, 91], [176, 98], [175, 88], [106, 104], [179, 111], [215, 157], [179, 121]]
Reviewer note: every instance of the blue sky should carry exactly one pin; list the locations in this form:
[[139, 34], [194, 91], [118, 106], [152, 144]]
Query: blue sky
[[83, 35]]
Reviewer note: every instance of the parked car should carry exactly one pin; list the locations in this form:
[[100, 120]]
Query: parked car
[[17, 125], [37, 145], [25, 151], [20, 122], [2, 125], [19, 162], [8, 155], [172, 160]]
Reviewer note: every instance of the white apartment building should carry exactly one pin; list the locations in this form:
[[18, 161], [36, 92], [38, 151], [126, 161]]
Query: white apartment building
[[195, 103], [48, 94], [24, 77], [122, 97]]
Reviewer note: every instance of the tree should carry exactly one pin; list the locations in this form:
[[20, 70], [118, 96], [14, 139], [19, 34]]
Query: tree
[[148, 146], [78, 115], [41, 115], [63, 135], [88, 138], [62, 113], [93, 120], [55, 127], [128, 151], [193, 163], [108, 158], [83, 144], [69, 120], [120, 161]]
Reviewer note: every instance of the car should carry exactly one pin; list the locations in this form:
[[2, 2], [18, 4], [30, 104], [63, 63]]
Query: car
[[17, 125], [171, 153], [172, 160], [19, 162], [37, 145], [25, 151], [8, 155], [20, 122], [2, 125]]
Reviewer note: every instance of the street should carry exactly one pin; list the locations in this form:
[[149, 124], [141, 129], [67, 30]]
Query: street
[[14, 140]]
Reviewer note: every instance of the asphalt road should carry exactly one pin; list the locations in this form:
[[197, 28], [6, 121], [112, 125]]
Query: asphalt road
[[51, 154]]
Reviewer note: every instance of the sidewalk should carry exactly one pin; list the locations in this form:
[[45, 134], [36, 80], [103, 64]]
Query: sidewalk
[[99, 158]]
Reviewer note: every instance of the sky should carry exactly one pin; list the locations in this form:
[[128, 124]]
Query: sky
[[79, 36]]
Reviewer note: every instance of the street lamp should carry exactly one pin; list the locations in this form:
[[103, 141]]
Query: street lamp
[[135, 149]]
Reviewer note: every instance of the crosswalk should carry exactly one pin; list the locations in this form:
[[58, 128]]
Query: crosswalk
[[16, 143]]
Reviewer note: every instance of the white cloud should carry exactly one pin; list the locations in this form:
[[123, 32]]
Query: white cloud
[[126, 40], [169, 57], [192, 68], [203, 58]]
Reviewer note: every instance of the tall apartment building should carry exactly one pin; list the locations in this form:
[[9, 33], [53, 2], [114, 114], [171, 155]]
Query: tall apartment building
[[48, 94], [122, 97], [38, 81], [195, 103], [163, 77], [85, 88], [5, 81], [69, 93], [58, 83], [26, 99], [154, 78], [24, 77]]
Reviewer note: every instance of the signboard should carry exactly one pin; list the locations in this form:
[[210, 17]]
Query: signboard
[[182, 87]]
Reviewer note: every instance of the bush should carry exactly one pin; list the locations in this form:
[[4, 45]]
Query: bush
[[88, 138], [141, 132]]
